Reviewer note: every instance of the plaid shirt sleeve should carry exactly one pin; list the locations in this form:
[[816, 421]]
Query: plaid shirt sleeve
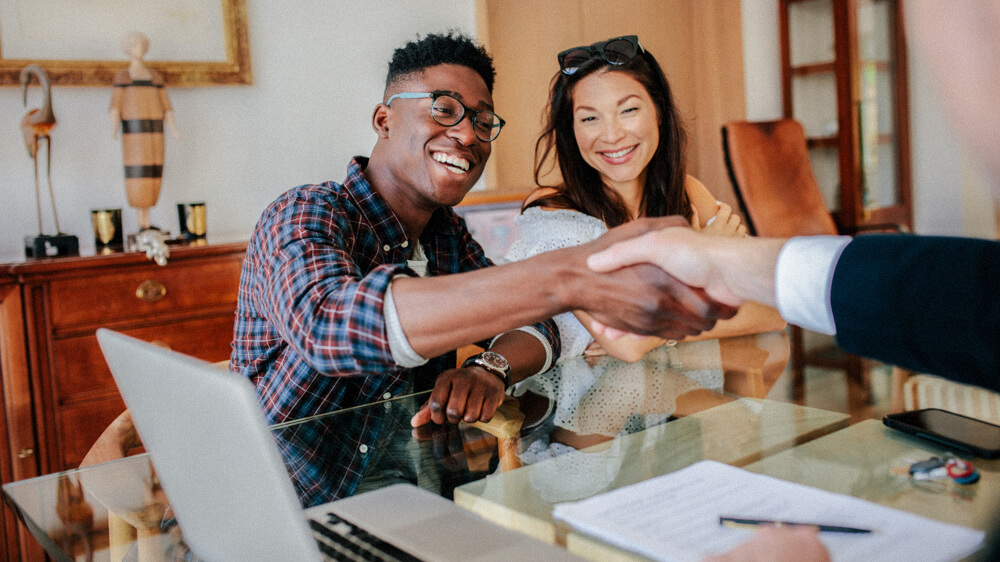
[[316, 295]]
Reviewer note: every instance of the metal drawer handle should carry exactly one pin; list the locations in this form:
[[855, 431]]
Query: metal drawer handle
[[25, 453], [151, 291]]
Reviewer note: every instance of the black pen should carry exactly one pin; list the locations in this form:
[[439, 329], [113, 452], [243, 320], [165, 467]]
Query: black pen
[[740, 522]]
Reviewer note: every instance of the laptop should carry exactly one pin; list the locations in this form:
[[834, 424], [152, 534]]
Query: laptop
[[231, 494]]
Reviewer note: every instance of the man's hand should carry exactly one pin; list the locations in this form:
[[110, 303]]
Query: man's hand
[[778, 545], [730, 269], [679, 251], [644, 299], [471, 394]]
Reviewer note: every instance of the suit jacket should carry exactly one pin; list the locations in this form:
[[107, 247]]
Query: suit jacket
[[926, 303], [930, 304]]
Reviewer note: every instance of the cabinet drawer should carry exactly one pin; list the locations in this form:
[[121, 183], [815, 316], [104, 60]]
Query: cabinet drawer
[[80, 425], [81, 372], [142, 292]]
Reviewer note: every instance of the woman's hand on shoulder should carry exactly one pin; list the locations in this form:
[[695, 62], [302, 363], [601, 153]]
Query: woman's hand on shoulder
[[720, 221], [724, 223]]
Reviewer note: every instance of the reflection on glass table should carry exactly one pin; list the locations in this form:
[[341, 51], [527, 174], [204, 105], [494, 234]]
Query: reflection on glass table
[[585, 400], [603, 407], [738, 432]]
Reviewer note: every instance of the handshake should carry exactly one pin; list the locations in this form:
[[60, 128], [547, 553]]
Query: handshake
[[684, 281]]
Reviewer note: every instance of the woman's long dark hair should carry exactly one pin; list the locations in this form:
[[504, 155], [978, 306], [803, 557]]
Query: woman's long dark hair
[[582, 188]]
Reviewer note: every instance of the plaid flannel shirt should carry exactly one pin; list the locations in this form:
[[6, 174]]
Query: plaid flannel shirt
[[310, 329]]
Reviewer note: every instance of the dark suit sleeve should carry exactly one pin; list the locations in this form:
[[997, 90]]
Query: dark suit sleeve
[[930, 304]]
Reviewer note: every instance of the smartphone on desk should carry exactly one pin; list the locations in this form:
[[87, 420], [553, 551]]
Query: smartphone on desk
[[957, 432]]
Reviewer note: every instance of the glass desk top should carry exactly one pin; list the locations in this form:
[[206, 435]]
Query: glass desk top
[[591, 425], [861, 461]]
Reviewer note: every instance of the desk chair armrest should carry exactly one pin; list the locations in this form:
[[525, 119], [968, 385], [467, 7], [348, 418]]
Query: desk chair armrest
[[506, 423], [882, 227]]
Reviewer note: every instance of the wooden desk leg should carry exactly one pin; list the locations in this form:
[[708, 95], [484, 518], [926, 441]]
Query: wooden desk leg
[[752, 364], [898, 393], [122, 537], [151, 543], [506, 427], [509, 460]]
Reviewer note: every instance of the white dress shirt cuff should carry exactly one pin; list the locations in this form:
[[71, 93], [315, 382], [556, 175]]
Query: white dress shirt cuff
[[803, 279], [402, 354]]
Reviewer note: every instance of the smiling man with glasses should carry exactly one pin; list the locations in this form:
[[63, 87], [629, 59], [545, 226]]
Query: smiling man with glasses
[[361, 291]]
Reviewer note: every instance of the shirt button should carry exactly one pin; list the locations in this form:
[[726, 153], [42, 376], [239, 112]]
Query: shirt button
[[386, 248], [406, 243], [363, 449], [387, 396]]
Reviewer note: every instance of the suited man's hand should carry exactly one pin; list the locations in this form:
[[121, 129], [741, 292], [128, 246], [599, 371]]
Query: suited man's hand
[[643, 298]]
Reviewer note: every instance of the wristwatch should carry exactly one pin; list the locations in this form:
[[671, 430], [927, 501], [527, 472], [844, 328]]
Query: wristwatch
[[492, 362]]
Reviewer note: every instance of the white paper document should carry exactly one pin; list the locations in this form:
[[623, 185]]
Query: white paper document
[[676, 517]]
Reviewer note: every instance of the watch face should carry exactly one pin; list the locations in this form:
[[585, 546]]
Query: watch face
[[495, 360]]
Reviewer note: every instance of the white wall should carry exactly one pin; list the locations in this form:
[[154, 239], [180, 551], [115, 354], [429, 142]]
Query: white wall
[[948, 193], [761, 59], [319, 69]]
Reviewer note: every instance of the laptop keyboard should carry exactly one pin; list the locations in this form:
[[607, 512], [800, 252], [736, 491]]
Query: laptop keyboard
[[342, 540]]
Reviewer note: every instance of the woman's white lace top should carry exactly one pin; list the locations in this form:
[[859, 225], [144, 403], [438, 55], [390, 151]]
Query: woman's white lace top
[[604, 395], [607, 396], [543, 231]]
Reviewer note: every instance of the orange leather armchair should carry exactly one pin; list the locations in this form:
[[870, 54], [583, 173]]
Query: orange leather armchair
[[772, 176]]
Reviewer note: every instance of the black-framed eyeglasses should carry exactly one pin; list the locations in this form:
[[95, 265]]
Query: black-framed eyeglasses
[[615, 51], [448, 111]]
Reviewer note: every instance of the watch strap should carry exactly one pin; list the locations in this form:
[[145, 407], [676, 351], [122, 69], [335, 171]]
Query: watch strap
[[478, 361]]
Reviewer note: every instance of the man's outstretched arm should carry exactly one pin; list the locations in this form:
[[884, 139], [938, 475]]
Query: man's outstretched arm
[[793, 275], [439, 314]]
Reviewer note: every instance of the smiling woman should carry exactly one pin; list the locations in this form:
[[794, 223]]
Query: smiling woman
[[617, 137], [616, 127], [698, 43]]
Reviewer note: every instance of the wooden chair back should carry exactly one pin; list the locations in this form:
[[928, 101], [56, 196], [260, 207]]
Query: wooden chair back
[[772, 176], [768, 163]]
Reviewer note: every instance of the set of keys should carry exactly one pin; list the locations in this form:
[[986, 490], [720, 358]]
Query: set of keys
[[940, 467]]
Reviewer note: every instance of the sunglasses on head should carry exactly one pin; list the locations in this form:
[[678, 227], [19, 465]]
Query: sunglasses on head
[[615, 51]]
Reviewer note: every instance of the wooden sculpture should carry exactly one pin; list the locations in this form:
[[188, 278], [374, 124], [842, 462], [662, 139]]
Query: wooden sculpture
[[35, 126], [139, 109]]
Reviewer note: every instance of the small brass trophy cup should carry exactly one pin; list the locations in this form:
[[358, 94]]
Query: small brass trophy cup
[[192, 220], [107, 230]]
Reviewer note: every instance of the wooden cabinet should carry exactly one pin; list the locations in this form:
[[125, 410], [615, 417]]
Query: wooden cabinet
[[16, 395], [58, 393], [844, 78]]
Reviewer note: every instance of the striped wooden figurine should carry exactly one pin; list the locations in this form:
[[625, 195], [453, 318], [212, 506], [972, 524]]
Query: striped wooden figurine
[[140, 104]]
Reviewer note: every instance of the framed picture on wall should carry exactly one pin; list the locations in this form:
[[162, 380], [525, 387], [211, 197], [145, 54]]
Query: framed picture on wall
[[492, 225], [192, 42]]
